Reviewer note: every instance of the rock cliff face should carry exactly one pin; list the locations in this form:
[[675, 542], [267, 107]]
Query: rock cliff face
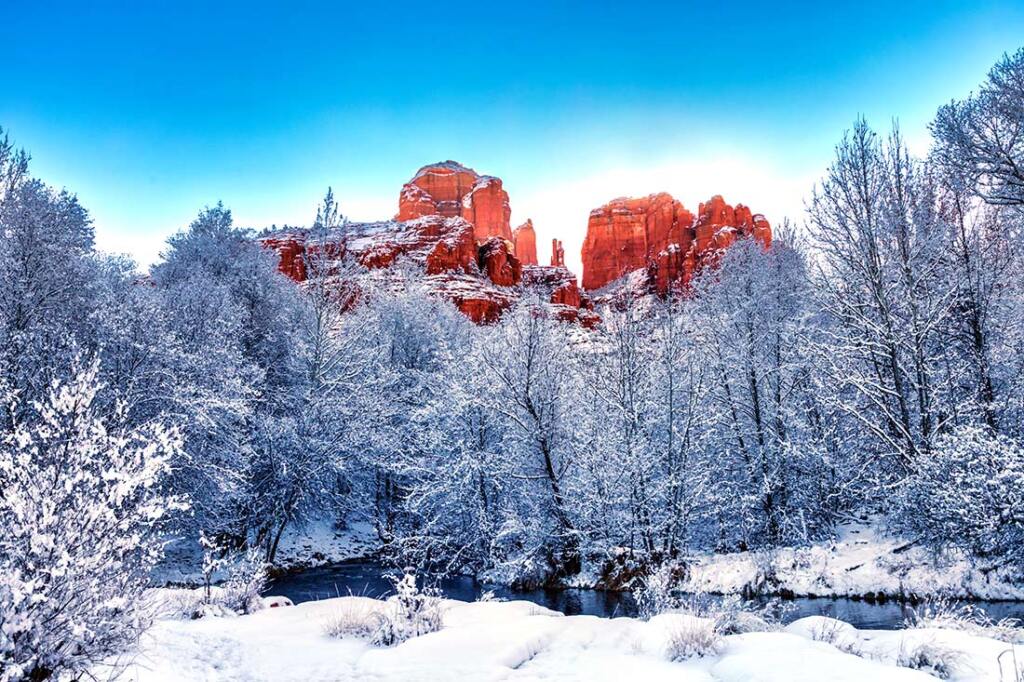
[[486, 207], [658, 234], [450, 189], [525, 240], [443, 249], [437, 189], [452, 225], [498, 262], [559, 287]]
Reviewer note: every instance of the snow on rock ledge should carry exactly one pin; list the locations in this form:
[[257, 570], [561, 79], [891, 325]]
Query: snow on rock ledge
[[452, 224], [481, 280]]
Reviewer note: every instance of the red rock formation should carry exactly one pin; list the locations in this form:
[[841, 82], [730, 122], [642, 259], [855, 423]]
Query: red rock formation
[[480, 309], [482, 281], [439, 244], [498, 262], [486, 207], [452, 224], [658, 234], [476, 297], [290, 252], [557, 254], [436, 189], [525, 240], [450, 189], [416, 202], [624, 234], [558, 285]]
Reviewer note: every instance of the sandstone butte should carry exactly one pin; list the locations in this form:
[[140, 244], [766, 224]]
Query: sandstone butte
[[453, 224], [659, 235], [525, 241]]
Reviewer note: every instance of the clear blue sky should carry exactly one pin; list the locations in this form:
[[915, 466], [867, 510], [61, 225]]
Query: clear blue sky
[[151, 110]]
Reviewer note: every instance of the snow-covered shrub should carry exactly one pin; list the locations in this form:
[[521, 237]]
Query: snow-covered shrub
[[356, 618], [488, 596], [81, 509], [730, 614], [214, 560], [967, 493], [841, 635], [656, 594], [933, 658], [692, 637], [246, 577], [413, 612], [740, 621], [733, 615], [700, 621], [946, 614]]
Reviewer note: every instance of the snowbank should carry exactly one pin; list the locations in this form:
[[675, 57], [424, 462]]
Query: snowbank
[[861, 563], [522, 641]]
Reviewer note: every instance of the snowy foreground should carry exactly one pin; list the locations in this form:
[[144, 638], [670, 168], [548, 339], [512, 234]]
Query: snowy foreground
[[522, 641]]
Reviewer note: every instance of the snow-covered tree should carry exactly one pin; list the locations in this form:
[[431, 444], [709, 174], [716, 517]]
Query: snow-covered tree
[[982, 136], [236, 356], [46, 277], [680, 383], [458, 488], [969, 494], [881, 282], [82, 505], [328, 214], [619, 486], [408, 337], [754, 333], [529, 360]]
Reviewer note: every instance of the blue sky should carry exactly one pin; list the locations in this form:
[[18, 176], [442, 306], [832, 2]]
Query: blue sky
[[151, 112]]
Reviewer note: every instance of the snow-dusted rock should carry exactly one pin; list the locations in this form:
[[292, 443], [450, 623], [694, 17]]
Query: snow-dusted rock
[[525, 240], [450, 189], [276, 602], [658, 235], [453, 224]]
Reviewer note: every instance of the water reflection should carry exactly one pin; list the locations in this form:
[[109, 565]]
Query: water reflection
[[368, 579]]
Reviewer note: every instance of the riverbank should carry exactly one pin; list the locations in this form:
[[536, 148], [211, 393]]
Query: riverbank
[[522, 641], [370, 579], [312, 545], [861, 564]]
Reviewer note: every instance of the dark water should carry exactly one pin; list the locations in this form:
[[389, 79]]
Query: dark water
[[368, 579]]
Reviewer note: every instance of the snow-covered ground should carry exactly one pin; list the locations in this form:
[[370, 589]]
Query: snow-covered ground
[[319, 543], [861, 562], [316, 543], [522, 641]]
